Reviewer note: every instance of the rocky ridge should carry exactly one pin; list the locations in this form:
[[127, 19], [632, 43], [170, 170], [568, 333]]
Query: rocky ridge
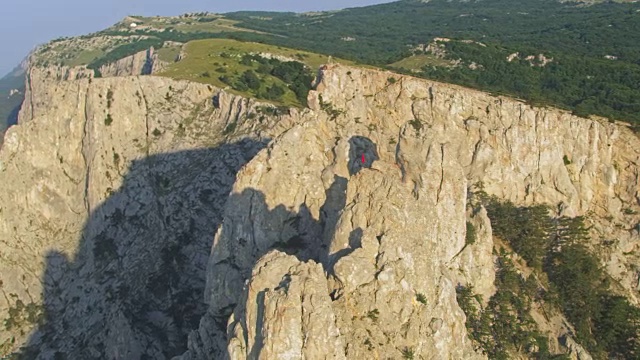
[[525, 154], [142, 63], [428, 144]]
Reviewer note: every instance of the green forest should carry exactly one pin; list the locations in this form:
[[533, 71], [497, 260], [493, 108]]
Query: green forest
[[506, 326], [586, 86], [295, 74], [577, 37], [569, 278]]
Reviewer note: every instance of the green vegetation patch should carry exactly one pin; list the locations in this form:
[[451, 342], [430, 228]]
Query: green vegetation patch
[[78, 51], [505, 327], [417, 124], [417, 62], [169, 53], [85, 56], [282, 76], [407, 353], [187, 23], [210, 24], [606, 324], [330, 109], [373, 315], [470, 235], [584, 85], [21, 314], [528, 230], [123, 51]]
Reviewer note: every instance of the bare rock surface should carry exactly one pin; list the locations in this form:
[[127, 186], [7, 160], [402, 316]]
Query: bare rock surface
[[143, 63], [476, 260], [294, 313]]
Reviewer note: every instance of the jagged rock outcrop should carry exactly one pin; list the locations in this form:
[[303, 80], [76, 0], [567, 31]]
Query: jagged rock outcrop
[[294, 311], [576, 352], [41, 78], [476, 260], [142, 63], [518, 152], [386, 250]]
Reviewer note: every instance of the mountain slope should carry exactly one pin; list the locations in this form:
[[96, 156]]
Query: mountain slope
[[376, 228], [399, 230], [112, 176]]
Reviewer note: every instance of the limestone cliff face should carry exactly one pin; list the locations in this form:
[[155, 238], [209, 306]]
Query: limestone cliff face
[[380, 240], [148, 208], [113, 189], [39, 77], [142, 63], [521, 153], [393, 227]]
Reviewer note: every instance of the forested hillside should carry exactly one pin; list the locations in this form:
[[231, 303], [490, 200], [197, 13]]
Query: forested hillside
[[595, 52]]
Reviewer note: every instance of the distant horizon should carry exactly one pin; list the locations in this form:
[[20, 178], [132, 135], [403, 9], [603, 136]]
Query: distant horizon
[[51, 20]]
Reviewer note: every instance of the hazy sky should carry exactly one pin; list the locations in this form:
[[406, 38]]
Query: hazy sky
[[26, 23]]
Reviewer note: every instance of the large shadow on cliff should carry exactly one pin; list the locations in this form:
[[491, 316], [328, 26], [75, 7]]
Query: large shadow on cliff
[[134, 289], [253, 229], [135, 283]]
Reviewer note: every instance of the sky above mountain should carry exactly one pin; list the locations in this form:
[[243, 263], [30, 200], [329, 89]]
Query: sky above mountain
[[27, 23]]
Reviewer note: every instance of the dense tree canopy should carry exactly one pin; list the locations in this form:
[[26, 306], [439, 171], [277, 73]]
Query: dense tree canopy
[[606, 324], [578, 38]]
